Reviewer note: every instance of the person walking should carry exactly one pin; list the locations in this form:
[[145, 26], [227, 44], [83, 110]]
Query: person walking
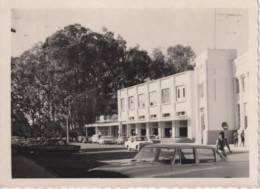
[[235, 138], [225, 126], [220, 144], [242, 135]]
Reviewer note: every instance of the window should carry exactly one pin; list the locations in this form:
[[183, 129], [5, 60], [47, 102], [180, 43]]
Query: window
[[147, 154], [237, 85], [153, 98], [181, 93], [165, 96], [187, 156], [243, 82], [153, 116], [166, 155], [131, 104], [206, 155], [181, 113], [141, 117], [183, 122], [141, 101], [122, 104], [131, 118], [245, 115], [166, 115]]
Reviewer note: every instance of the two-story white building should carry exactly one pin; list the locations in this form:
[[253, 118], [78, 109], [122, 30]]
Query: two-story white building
[[163, 107], [192, 104]]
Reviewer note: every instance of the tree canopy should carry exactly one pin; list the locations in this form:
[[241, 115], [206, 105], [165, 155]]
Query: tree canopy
[[75, 74]]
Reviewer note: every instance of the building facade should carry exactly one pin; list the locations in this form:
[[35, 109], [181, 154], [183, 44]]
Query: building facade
[[163, 107], [190, 105]]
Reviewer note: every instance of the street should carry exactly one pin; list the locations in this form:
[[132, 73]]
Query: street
[[77, 165]]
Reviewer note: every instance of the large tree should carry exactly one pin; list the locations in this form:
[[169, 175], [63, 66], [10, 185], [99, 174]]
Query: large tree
[[181, 57]]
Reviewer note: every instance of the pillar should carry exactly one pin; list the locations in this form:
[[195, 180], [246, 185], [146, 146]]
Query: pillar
[[173, 129], [96, 130], [137, 129], [189, 128], [86, 131], [109, 131], [148, 129], [160, 129], [120, 130], [128, 130]]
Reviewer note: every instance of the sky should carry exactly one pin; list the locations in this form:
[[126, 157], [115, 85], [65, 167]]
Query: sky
[[149, 28]]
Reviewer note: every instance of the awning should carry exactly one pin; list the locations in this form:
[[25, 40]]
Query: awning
[[102, 124]]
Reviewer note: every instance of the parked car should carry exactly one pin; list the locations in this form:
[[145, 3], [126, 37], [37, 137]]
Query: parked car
[[176, 161], [82, 139], [26, 146], [51, 146], [95, 138], [106, 140], [154, 139], [136, 142], [121, 140]]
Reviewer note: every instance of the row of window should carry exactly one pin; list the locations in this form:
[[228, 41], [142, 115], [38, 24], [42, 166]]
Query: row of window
[[165, 98], [154, 116]]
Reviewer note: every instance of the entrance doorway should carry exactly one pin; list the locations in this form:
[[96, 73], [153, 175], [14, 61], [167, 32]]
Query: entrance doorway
[[133, 132], [90, 131], [155, 131], [167, 132], [143, 132], [183, 131]]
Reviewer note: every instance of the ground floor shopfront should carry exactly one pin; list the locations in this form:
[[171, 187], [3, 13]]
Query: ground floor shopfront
[[162, 129]]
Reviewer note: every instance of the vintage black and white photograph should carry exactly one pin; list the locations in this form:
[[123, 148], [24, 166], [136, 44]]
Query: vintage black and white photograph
[[131, 93]]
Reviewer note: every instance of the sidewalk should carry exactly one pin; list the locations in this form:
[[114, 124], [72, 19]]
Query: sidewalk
[[238, 148]]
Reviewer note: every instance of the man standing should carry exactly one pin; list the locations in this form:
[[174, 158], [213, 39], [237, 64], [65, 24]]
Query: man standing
[[225, 131]]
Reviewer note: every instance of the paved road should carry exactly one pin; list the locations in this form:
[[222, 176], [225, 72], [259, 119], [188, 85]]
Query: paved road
[[74, 166], [77, 165]]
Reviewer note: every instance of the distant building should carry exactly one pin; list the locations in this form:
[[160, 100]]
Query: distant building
[[191, 104]]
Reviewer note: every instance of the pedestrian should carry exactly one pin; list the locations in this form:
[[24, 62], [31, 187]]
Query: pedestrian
[[225, 125], [220, 143], [242, 135], [235, 138]]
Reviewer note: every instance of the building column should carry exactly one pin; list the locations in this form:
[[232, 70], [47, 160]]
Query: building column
[[96, 130], [148, 129], [109, 130], [189, 128], [128, 130], [120, 130], [137, 129], [160, 129], [173, 129]]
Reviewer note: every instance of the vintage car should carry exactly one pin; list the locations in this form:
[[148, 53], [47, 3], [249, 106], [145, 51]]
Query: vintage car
[[106, 140], [25, 146], [136, 142], [175, 161], [121, 140], [95, 138], [50, 146], [154, 139]]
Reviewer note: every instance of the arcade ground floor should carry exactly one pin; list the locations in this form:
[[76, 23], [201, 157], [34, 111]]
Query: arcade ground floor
[[162, 129]]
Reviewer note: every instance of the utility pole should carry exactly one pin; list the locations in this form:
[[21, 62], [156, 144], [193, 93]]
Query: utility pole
[[67, 128]]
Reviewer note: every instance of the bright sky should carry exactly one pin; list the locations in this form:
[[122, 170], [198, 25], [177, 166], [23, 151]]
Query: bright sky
[[150, 28]]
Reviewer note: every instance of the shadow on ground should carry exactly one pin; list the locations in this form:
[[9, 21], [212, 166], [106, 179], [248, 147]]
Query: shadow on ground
[[74, 166]]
